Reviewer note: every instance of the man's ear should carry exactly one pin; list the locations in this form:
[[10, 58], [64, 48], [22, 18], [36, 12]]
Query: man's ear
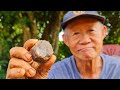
[[105, 32], [65, 39]]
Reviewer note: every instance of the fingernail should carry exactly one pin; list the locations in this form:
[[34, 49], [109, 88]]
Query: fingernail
[[28, 57], [32, 72]]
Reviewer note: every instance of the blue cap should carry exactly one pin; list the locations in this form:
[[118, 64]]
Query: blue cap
[[72, 15]]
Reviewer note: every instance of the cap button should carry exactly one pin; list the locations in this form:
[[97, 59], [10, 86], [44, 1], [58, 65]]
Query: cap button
[[78, 12]]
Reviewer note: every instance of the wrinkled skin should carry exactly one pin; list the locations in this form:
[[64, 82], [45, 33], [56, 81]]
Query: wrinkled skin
[[85, 38], [22, 66]]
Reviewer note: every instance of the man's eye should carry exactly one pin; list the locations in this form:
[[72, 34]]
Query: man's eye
[[91, 30], [76, 33]]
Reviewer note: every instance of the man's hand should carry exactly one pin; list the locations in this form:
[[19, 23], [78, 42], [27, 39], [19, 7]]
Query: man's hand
[[22, 66]]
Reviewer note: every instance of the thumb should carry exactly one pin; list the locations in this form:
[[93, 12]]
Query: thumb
[[45, 67]]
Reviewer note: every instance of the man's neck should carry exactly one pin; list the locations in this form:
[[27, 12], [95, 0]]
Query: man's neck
[[89, 69]]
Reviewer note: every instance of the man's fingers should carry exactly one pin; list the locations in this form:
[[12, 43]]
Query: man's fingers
[[43, 69], [20, 52], [35, 64], [15, 73], [18, 63], [29, 43]]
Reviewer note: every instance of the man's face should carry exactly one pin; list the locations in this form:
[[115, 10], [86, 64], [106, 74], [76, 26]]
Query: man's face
[[85, 37]]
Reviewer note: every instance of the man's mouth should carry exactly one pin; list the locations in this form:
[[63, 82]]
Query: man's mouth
[[85, 49]]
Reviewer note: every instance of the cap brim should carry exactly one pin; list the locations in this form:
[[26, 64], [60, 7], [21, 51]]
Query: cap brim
[[100, 18]]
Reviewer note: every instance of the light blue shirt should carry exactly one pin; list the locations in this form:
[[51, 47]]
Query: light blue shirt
[[66, 69]]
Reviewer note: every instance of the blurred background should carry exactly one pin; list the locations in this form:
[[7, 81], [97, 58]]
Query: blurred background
[[18, 26]]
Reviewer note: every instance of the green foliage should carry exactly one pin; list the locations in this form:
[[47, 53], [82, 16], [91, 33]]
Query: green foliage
[[63, 51], [3, 66], [4, 55], [113, 24]]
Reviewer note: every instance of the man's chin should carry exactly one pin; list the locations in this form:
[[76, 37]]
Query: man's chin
[[88, 56], [87, 59]]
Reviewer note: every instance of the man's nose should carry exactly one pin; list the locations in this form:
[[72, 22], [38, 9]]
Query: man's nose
[[85, 39]]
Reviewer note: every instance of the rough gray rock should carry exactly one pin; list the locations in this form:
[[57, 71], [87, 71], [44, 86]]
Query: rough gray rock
[[42, 51]]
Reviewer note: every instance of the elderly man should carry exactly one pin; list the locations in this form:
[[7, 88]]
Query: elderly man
[[84, 32]]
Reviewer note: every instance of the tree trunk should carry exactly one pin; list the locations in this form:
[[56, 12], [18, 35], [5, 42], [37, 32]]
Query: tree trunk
[[33, 25], [26, 33], [29, 30], [52, 30]]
